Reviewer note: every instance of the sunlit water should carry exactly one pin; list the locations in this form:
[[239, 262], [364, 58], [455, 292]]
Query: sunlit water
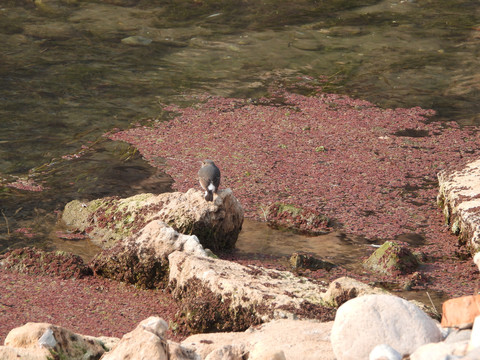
[[72, 70]]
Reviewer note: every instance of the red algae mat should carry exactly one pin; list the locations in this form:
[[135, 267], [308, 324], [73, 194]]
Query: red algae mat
[[372, 170], [88, 306]]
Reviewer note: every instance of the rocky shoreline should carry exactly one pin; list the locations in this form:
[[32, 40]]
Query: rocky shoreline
[[197, 292]]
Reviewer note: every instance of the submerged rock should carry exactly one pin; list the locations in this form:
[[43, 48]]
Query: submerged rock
[[459, 196], [216, 224], [308, 261], [392, 258]]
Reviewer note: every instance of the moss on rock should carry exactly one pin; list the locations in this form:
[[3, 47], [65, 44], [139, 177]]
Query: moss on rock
[[392, 258]]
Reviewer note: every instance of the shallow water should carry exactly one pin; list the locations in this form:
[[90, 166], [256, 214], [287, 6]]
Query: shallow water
[[72, 70]]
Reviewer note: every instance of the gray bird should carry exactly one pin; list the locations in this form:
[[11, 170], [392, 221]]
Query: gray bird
[[209, 177]]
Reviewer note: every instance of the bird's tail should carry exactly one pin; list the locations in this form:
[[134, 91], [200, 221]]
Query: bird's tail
[[208, 195]]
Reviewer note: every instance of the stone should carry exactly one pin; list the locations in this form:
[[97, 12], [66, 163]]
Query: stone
[[297, 218], [308, 261], [32, 339], [219, 295], [475, 335], [294, 339], [216, 224], [476, 259], [136, 41], [459, 196], [142, 258], [460, 312], [147, 341], [345, 288], [384, 352], [440, 351], [392, 258], [228, 352], [367, 321]]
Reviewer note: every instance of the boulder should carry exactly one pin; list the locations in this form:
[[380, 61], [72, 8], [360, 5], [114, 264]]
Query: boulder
[[219, 295], [142, 258], [392, 258], [39, 340], [440, 351], [297, 218], [147, 341], [216, 224], [367, 321], [277, 339], [345, 288], [459, 196], [460, 312], [299, 261]]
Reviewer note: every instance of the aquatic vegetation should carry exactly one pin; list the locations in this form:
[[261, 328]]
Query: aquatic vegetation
[[376, 176]]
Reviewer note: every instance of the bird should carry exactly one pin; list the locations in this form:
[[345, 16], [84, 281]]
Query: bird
[[209, 178]]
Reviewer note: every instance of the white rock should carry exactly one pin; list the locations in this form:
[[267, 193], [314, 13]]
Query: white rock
[[367, 321], [440, 351], [384, 352], [475, 336], [294, 339], [228, 352], [262, 351]]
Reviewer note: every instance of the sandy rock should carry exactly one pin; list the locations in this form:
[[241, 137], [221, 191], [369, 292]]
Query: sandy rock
[[44, 337], [294, 339], [392, 258], [345, 288], [219, 295], [147, 342], [11, 353], [228, 352], [367, 321], [459, 195], [216, 224], [460, 312]]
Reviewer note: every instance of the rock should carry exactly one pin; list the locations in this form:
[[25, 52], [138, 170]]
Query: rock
[[136, 41], [142, 258], [440, 351], [384, 352], [30, 260], [216, 224], [147, 341], [218, 295], [310, 262], [475, 335], [459, 196], [230, 352], [294, 339], [33, 339], [345, 288], [367, 321], [476, 260], [460, 312], [293, 217], [392, 258]]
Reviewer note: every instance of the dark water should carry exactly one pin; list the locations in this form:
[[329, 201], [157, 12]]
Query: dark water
[[72, 70]]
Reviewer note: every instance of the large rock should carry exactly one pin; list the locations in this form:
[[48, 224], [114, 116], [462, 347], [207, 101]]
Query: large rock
[[216, 224], [142, 258], [292, 339], [39, 340], [392, 258], [345, 288], [218, 295], [367, 321], [459, 196], [147, 341]]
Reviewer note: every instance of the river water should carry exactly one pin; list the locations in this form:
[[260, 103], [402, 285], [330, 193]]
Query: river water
[[72, 70]]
